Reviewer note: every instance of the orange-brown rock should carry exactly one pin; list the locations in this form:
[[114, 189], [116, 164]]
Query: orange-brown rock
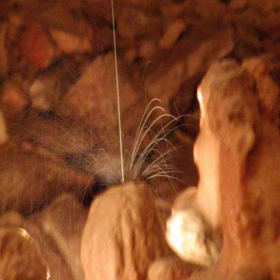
[[243, 120], [171, 268], [123, 234], [19, 256], [237, 155]]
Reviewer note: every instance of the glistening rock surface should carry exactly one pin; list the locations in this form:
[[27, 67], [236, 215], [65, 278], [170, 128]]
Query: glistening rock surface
[[242, 120]]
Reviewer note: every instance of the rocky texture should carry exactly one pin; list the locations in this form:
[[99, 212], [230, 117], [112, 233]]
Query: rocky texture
[[17, 242], [45, 243], [41, 249], [59, 130], [242, 120], [58, 84], [171, 268], [190, 237], [63, 222], [123, 235], [29, 179]]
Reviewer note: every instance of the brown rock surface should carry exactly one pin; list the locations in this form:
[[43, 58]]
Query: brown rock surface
[[243, 123], [63, 222], [57, 95], [123, 235], [20, 258], [28, 253], [171, 268]]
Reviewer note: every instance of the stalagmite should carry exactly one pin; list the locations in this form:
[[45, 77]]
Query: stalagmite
[[239, 110]]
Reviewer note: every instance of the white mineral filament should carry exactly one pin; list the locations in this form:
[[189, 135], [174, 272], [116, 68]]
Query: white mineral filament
[[186, 234]]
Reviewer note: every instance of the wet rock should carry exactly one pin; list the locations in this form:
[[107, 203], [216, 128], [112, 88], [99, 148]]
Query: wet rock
[[20, 258], [27, 252]]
